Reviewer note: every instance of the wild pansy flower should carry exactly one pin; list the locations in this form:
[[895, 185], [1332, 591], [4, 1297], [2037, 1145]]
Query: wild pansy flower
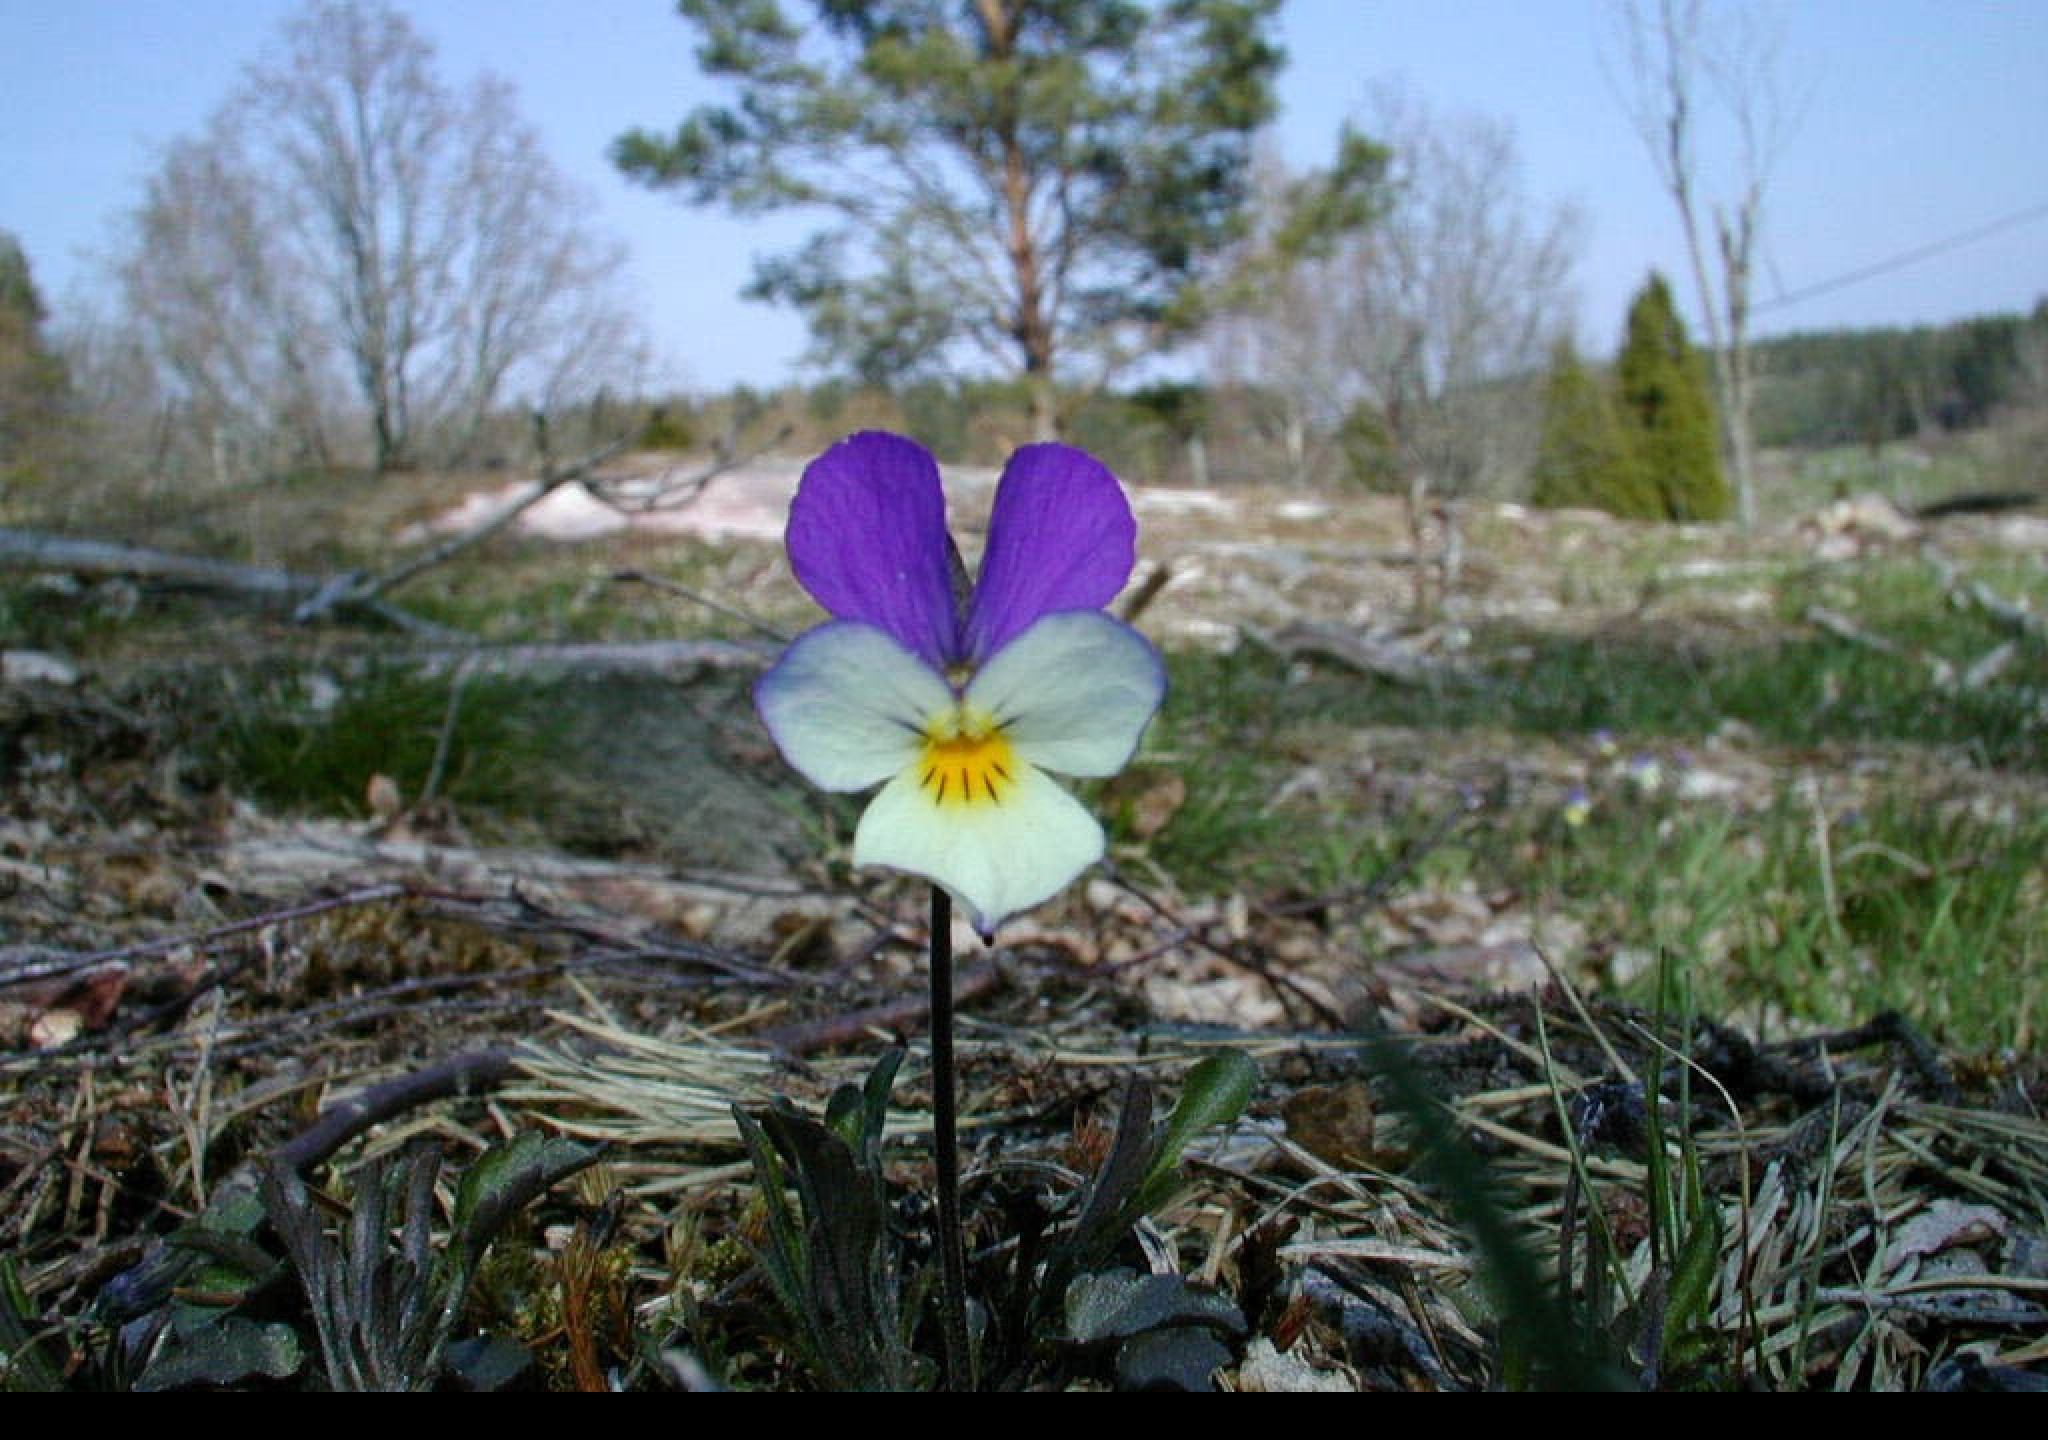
[[958, 702], [1578, 807]]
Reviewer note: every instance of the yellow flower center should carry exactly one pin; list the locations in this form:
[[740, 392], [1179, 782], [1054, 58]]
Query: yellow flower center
[[966, 761]]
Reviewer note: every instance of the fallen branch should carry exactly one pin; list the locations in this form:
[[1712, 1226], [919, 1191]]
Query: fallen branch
[[311, 598], [1975, 594], [894, 1016], [45, 964], [1835, 623], [474, 1072], [1389, 657], [367, 590], [1246, 957], [642, 496], [30, 550], [1940, 672]]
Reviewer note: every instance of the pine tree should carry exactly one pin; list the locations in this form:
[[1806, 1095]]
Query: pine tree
[[1666, 402], [1012, 180], [1584, 457]]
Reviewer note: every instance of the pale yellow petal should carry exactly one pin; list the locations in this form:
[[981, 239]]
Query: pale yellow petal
[[848, 706], [996, 857], [1073, 693]]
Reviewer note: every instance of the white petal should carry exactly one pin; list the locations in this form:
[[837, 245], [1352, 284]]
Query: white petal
[[997, 859], [848, 705], [1074, 692]]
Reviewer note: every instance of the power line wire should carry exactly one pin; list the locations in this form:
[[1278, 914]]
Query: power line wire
[[1901, 261]]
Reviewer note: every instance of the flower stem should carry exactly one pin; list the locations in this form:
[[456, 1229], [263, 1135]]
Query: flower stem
[[946, 1150]]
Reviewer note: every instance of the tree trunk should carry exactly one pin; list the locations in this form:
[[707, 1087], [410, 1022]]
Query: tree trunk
[[1045, 406]]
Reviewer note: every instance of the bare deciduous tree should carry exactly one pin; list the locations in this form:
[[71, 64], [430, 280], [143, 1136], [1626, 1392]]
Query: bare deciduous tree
[[1272, 351], [352, 247], [1416, 330], [223, 312], [1674, 54]]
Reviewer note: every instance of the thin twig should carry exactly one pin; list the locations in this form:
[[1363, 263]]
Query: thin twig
[[796, 1041], [672, 494], [1153, 585], [445, 739], [475, 1072], [1368, 894], [657, 582], [198, 940], [377, 586], [1283, 985]]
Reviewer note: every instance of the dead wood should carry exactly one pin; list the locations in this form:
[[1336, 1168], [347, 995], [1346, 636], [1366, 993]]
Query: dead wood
[[36, 965], [1155, 582], [677, 657], [672, 490], [1399, 658], [895, 1016], [1980, 502], [1835, 623], [31, 550], [1975, 594], [287, 590], [1941, 673], [363, 590], [312, 598], [307, 855], [475, 1072]]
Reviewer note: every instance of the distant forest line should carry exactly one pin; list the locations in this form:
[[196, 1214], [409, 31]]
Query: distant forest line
[[1816, 390]]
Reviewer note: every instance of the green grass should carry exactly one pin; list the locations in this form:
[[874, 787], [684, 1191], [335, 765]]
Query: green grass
[[1786, 913], [1216, 732], [44, 618], [1933, 910], [1904, 473], [596, 764], [1789, 686], [274, 743], [1912, 901], [1301, 780]]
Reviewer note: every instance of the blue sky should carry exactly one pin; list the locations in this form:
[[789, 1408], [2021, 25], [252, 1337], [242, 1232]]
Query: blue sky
[[1920, 120]]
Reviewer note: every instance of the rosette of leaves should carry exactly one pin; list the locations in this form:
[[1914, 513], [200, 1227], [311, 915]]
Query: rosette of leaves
[[830, 1258], [1067, 1299], [203, 1306], [213, 1323], [384, 1311], [836, 1265]]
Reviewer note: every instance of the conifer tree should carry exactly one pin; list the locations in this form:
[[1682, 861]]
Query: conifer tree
[[1584, 456], [1028, 182], [1666, 403], [32, 377]]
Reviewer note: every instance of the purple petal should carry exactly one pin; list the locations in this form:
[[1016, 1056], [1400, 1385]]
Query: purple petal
[[1061, 538], [867, 538]]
